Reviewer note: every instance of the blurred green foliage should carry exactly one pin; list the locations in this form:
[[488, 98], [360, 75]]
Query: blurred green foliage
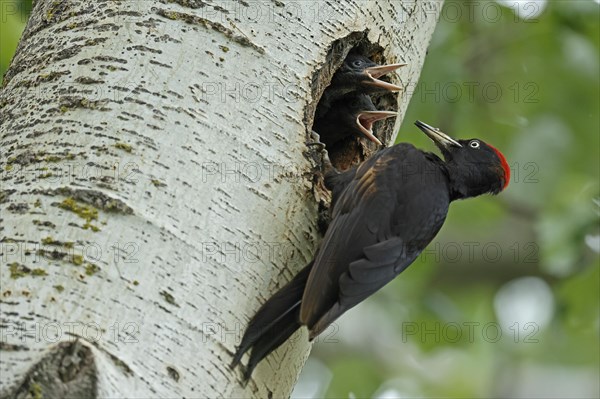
[[13, 17], [505, 303], [523, 265]]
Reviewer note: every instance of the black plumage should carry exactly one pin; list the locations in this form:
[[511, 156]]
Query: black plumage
[[385, 212], [351, 115], [358, 74]]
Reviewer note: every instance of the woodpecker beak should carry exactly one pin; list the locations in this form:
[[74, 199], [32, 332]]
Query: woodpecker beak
[[374, 73], [442, 140], [365, 121]]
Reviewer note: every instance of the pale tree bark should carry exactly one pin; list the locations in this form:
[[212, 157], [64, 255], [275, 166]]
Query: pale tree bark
[[157, 186]]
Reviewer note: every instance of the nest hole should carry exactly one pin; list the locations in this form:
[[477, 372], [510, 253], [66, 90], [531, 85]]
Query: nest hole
[[352, 150]]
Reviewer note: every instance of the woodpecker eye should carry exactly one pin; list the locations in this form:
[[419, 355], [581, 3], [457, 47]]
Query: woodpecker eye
[[474, 144]]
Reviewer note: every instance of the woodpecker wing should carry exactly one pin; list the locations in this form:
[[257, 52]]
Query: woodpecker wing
[[382, 219]]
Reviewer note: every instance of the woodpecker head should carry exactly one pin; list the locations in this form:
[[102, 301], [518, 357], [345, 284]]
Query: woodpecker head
[[360, 73], [475, 167]]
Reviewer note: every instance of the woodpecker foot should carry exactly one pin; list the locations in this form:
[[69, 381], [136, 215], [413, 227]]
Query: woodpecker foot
[[316, 140], [326, 165]]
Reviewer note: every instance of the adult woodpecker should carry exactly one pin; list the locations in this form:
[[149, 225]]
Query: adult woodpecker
[[357, 74], [385, 212], [353, 114]]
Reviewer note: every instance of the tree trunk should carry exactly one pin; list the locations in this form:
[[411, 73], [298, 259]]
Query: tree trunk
[[157, 186]]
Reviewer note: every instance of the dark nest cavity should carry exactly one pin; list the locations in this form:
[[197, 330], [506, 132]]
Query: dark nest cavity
[[352, 150]]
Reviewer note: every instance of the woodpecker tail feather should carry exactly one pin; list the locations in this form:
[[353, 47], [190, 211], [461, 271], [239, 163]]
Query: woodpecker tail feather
[[275, 322]]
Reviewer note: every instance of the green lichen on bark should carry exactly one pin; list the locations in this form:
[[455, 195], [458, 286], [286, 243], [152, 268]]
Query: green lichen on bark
[[51, 241], [168, 298], [124, 146], [86, 212], [94, 199], [18, 270], [91, 269], [55, 254], [158, 183]]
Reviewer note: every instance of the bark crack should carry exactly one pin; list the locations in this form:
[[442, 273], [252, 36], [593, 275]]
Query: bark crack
[[195, 20]]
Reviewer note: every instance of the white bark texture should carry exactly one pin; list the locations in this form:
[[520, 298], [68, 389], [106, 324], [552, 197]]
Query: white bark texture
[[157, 186]]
